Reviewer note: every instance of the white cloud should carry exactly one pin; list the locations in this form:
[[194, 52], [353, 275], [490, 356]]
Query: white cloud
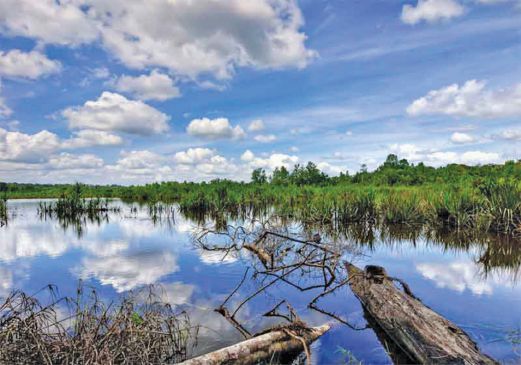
[[114, 112], [193, 156], [294, 149], [126, 272], [187, 37], [140, 160], [219, 128], [329, 169], [461, 138], [5, 111], [272, 161], [458, 276], [256, 126], [510, 135], [88, 138], [265, 138], [431, 11], [203, 161], [176, 293], [479, 157], [432, 157], [469, 100], [31, 65], [47, 20], [67, 161], [31, 148], [247, 156], [6, 281], [156, 86]]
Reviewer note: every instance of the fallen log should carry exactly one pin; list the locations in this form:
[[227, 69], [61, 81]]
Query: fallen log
[[422, 334], [280, 342]]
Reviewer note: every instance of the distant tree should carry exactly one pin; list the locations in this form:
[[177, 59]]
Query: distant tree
[[280, 176], [391, 161], [258, 176]]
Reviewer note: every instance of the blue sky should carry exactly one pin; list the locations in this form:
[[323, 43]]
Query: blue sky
[[140, 91]]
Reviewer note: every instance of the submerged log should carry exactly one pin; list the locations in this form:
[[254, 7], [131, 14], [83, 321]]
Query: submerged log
[[422, 334], [265, 347]]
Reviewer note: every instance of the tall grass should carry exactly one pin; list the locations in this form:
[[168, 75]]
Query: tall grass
[[3, 212], [496, 208]]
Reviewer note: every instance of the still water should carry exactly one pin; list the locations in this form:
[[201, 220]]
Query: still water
[[474, 284]]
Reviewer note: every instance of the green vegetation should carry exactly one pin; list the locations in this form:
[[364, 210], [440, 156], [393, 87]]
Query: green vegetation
[[482, 198], [3, 205], [72, 209], [3, 212]]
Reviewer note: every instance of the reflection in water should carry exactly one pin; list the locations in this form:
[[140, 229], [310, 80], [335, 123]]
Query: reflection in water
[[131, 248], [458, 275], [128, 271]]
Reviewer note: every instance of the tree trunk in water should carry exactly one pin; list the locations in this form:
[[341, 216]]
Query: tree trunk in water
[[422, 334], [261, 348]]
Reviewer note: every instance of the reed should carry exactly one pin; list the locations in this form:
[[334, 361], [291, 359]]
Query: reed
[[3, 212], [138, 328]]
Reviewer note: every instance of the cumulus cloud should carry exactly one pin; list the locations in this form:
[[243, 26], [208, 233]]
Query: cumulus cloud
[[270, 162], [31, 65], [203, 161], [140, 160], [114, 112], [89, 138], [187, 37], [5, 111], [155, 86], [67, 161], [330, 169], [30, 148], [6, 281], [193, 156], [219, 128], [509, 135], [265, 138], [256, 126], [49, 21], [458, 276], [414, 153], [461, 138], [128, 271], [176, 293], [247, 156], [431, 11], [469, 100]]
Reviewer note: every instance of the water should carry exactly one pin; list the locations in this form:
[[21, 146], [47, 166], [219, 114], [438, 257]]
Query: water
[[473, 284]]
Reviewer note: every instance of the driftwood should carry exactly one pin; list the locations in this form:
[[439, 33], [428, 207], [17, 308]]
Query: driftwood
[[422, 334], [265, 347]]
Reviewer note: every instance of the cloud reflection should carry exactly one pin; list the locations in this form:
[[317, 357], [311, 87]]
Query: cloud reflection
[[128, 271], [458, 276]]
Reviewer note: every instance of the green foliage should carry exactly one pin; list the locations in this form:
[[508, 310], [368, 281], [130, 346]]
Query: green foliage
[[258, 176], [482, 198]]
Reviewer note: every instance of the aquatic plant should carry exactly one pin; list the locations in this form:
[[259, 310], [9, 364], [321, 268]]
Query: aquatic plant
[[137, 329], [3, 212]]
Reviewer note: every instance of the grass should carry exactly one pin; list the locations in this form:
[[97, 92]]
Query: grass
[[496, 210], [137, 329], [480, 203], [3, 212]]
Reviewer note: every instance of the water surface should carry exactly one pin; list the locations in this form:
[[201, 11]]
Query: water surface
[[473, 283]]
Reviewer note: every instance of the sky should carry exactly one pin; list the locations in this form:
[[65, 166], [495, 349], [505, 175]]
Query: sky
[[137, 91]]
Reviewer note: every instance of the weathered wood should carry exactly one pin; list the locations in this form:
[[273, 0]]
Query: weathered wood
[[261, 348], [422, 334]]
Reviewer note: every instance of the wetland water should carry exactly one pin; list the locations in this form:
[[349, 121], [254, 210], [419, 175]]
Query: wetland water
[[472, 282]]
